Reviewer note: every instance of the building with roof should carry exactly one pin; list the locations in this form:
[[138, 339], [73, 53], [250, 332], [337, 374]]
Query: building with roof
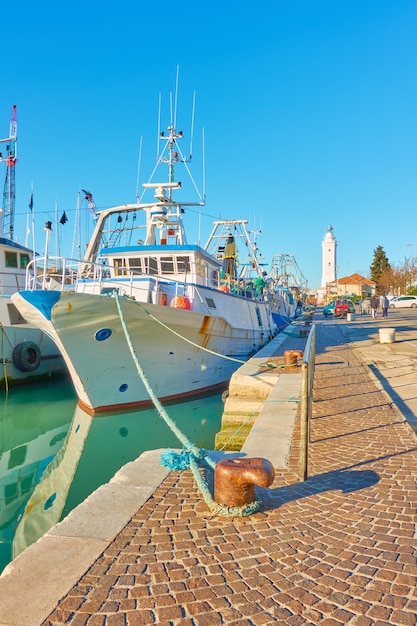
[[354, 285]]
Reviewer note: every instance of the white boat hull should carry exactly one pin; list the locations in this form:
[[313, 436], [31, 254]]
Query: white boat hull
[[181, 352], [25, 352]]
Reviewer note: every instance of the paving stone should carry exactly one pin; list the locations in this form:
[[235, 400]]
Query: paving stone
[[335, 549]]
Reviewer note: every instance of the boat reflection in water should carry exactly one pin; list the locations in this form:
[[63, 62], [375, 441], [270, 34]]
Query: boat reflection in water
[[34, 420], [76, 457]]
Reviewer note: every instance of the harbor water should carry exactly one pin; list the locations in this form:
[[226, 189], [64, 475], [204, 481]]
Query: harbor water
[[53, 454]]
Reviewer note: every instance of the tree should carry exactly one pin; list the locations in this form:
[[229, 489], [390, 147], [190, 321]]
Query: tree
[[390, 281], [399, 279], [379, 264]]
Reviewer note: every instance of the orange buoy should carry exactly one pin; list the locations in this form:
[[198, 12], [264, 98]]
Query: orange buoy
[[224, 288], [181, 302]]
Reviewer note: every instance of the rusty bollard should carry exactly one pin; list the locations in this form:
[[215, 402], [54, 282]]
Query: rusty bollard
[[235, 480], [290, 358]]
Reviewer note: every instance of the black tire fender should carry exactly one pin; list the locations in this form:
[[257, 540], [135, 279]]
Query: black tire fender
[[27, 356]]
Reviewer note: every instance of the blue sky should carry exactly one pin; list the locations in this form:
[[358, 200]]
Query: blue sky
[[308, 108]]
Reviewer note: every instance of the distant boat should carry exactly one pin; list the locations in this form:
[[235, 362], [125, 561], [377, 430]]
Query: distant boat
[[25, 352], [144, 307]]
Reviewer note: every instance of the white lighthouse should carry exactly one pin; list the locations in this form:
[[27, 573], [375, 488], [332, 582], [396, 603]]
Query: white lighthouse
[[328, 258]]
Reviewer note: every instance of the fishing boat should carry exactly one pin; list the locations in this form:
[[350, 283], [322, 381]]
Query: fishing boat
[[144, 309], [26, 353]]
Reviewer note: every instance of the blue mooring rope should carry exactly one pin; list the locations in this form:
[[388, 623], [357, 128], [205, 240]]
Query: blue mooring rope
[[189, 457]]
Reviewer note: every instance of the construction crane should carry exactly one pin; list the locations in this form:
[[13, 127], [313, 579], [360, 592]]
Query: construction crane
[[9, 191]]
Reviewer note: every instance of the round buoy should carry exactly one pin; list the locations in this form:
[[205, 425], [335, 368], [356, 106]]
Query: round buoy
[[180, 302]]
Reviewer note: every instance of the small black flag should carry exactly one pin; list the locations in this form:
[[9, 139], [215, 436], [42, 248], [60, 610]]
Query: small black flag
[[63, 219]]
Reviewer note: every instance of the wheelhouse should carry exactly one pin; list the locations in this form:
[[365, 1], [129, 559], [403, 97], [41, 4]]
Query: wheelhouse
[[189, 264]]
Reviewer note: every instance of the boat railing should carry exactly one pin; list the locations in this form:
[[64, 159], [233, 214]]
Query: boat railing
[[63, 274], [102, 278], [11, 281], [51, 273], [307, 383]]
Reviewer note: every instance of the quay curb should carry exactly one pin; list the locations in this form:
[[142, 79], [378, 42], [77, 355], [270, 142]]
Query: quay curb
[[267, 403], [32, 584]]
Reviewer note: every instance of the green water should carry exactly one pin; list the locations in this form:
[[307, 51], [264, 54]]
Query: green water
[[53, 455]]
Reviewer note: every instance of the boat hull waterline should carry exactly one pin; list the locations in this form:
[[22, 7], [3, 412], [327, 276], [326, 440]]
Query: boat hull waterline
[[181, 352]]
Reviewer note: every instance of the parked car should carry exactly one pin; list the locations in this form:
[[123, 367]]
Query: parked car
[[343, 306], [402, 302], [328, 310]]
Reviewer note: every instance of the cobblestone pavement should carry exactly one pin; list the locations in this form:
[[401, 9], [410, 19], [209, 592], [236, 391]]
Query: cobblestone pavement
[[339, 548]]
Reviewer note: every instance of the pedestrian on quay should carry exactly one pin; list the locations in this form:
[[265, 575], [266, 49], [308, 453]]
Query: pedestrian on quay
[[374, 306], [384, 302]]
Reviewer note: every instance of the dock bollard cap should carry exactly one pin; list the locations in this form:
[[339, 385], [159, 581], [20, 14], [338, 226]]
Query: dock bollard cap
[[235, 480]]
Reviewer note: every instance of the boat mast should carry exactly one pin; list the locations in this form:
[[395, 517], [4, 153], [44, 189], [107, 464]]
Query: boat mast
[[9, 191]]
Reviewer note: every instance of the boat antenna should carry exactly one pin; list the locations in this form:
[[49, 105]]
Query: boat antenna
[[171, 114], [32, 210], [192, 127], [204, 164], [76, 234], [159, 127], [56, 230], [174, 121], [138, 172]]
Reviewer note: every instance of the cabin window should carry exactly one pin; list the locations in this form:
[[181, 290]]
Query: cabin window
[[136, 265], [200, 267], [24, 261], [214, 278], [11, 259], [14, 315], [151, 265], [210, 303], [108, 291], [119, 267], [258, 315], [183, 264], [167, 265]]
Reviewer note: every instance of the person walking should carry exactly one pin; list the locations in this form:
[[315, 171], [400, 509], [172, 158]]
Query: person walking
[[374, 306], [384, 302]]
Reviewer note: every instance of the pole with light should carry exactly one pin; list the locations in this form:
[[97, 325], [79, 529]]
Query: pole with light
[[48, 230]]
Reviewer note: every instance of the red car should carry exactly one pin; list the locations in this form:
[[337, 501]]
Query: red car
[[343, 306]]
